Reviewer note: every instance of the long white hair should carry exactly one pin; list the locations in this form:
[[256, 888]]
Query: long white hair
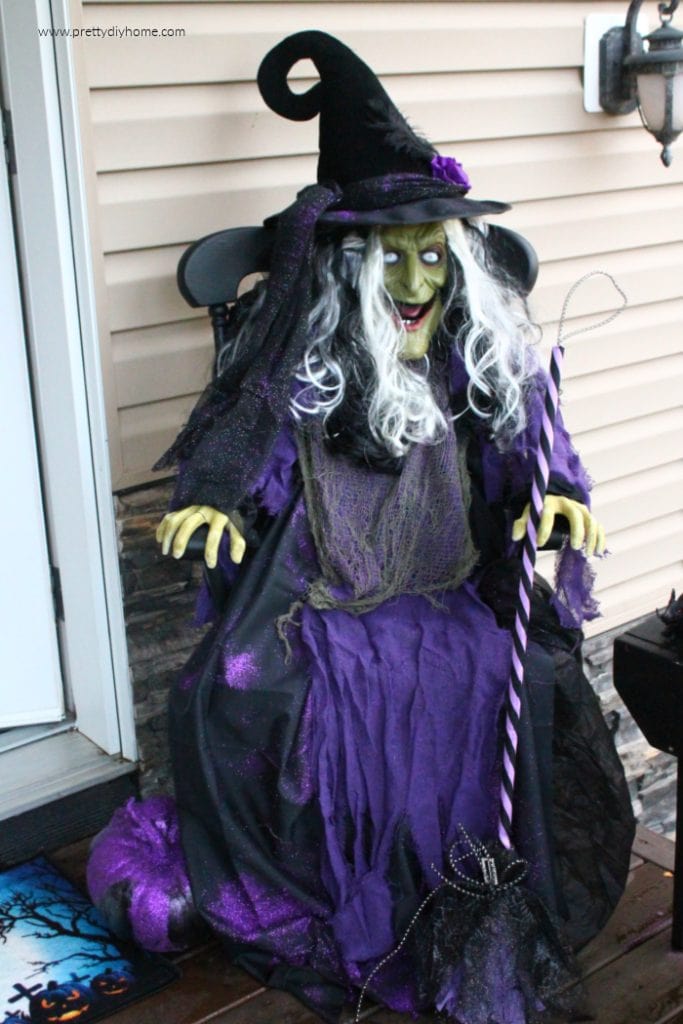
[[401, 409], [497, 337], [355, 343]]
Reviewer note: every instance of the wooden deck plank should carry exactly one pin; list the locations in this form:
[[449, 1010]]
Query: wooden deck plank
[[654, 848], [207, 988], [645, 986], [72, 860], [268, 1007], [674, 1018], [643, 911]]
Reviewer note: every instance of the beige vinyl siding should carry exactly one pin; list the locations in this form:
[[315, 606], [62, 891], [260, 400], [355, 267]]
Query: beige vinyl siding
[[182, 145]]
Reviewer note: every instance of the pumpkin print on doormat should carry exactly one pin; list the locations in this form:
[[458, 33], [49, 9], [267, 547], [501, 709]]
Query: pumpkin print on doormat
[[60, 963]]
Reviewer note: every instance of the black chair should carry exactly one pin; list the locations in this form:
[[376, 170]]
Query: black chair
[[212, 269]]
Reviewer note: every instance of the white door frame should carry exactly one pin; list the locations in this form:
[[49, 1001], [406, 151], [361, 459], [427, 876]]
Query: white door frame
[[49, 194]]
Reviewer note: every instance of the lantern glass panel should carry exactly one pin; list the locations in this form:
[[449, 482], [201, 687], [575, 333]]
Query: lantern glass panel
[[652, 97]]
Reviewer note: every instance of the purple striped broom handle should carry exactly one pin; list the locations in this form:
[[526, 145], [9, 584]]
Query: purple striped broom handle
[[520, 632], [539, 487]]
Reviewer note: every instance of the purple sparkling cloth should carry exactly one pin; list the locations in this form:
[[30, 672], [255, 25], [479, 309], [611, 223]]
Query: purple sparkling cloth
[[273, 487], [392, 746], [141, 846], [238, 418], [574, 578], [247, 911]]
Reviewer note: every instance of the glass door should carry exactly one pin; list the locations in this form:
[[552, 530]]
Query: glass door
[[31, 689]]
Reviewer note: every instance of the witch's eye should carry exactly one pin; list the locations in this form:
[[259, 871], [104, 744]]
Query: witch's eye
[[431, 257], [391, 258]]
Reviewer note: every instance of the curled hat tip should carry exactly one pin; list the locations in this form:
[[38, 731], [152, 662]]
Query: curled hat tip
[[311, 44]]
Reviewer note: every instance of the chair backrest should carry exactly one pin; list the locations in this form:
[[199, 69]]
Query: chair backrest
[[210, 271]]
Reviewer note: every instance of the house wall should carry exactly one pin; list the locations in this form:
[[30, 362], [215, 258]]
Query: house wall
[[180, 144]]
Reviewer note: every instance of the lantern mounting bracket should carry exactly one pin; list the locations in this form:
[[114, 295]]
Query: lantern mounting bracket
[[617, 90]]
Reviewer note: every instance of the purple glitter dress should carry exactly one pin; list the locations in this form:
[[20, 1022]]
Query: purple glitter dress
[[322, 769]]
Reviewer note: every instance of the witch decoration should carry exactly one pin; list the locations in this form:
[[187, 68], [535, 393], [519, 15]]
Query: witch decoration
[[364, 459]]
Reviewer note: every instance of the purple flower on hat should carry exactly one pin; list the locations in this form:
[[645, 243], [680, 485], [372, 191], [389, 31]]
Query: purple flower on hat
[[447, 168]]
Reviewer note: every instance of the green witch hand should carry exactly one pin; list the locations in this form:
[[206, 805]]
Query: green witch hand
[[176, 528], [584, 529]]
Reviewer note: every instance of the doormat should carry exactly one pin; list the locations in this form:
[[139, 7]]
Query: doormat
[[58, 960]]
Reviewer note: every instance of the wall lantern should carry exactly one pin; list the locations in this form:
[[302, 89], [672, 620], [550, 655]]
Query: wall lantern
[[649, 79]]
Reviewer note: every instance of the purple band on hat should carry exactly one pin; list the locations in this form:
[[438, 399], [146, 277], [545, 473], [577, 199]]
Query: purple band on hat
[[447, 168]]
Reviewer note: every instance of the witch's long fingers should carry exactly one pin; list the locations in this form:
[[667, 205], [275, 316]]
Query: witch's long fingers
[[169, 525], [602, 540], [545, 527], [185, 531], [219, 521], [577, 531], [591, 534], [519, 525], [238, 545]]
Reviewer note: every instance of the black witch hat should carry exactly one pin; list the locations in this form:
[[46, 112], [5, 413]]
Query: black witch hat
[[388, 174], [373, 169]]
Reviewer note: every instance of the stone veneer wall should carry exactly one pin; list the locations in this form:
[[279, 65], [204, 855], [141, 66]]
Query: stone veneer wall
[[159, 595], [651, 774]]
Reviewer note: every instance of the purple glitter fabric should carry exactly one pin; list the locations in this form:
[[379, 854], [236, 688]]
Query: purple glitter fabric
[[273, 487], [205, 610], [240, 669], [232, 429], [141, 846], [574, 579], [390, 744], [251, 912]]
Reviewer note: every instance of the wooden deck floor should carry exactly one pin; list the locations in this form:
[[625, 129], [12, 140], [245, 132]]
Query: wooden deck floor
[[631, 974]]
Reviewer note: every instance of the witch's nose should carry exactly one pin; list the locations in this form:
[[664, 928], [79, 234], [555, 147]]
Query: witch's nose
[[412, 273]]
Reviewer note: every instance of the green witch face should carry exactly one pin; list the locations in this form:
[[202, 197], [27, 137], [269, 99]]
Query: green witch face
[[415, 271]]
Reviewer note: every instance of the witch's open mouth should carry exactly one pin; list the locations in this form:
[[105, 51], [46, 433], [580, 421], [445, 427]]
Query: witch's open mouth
[[412, 317]]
